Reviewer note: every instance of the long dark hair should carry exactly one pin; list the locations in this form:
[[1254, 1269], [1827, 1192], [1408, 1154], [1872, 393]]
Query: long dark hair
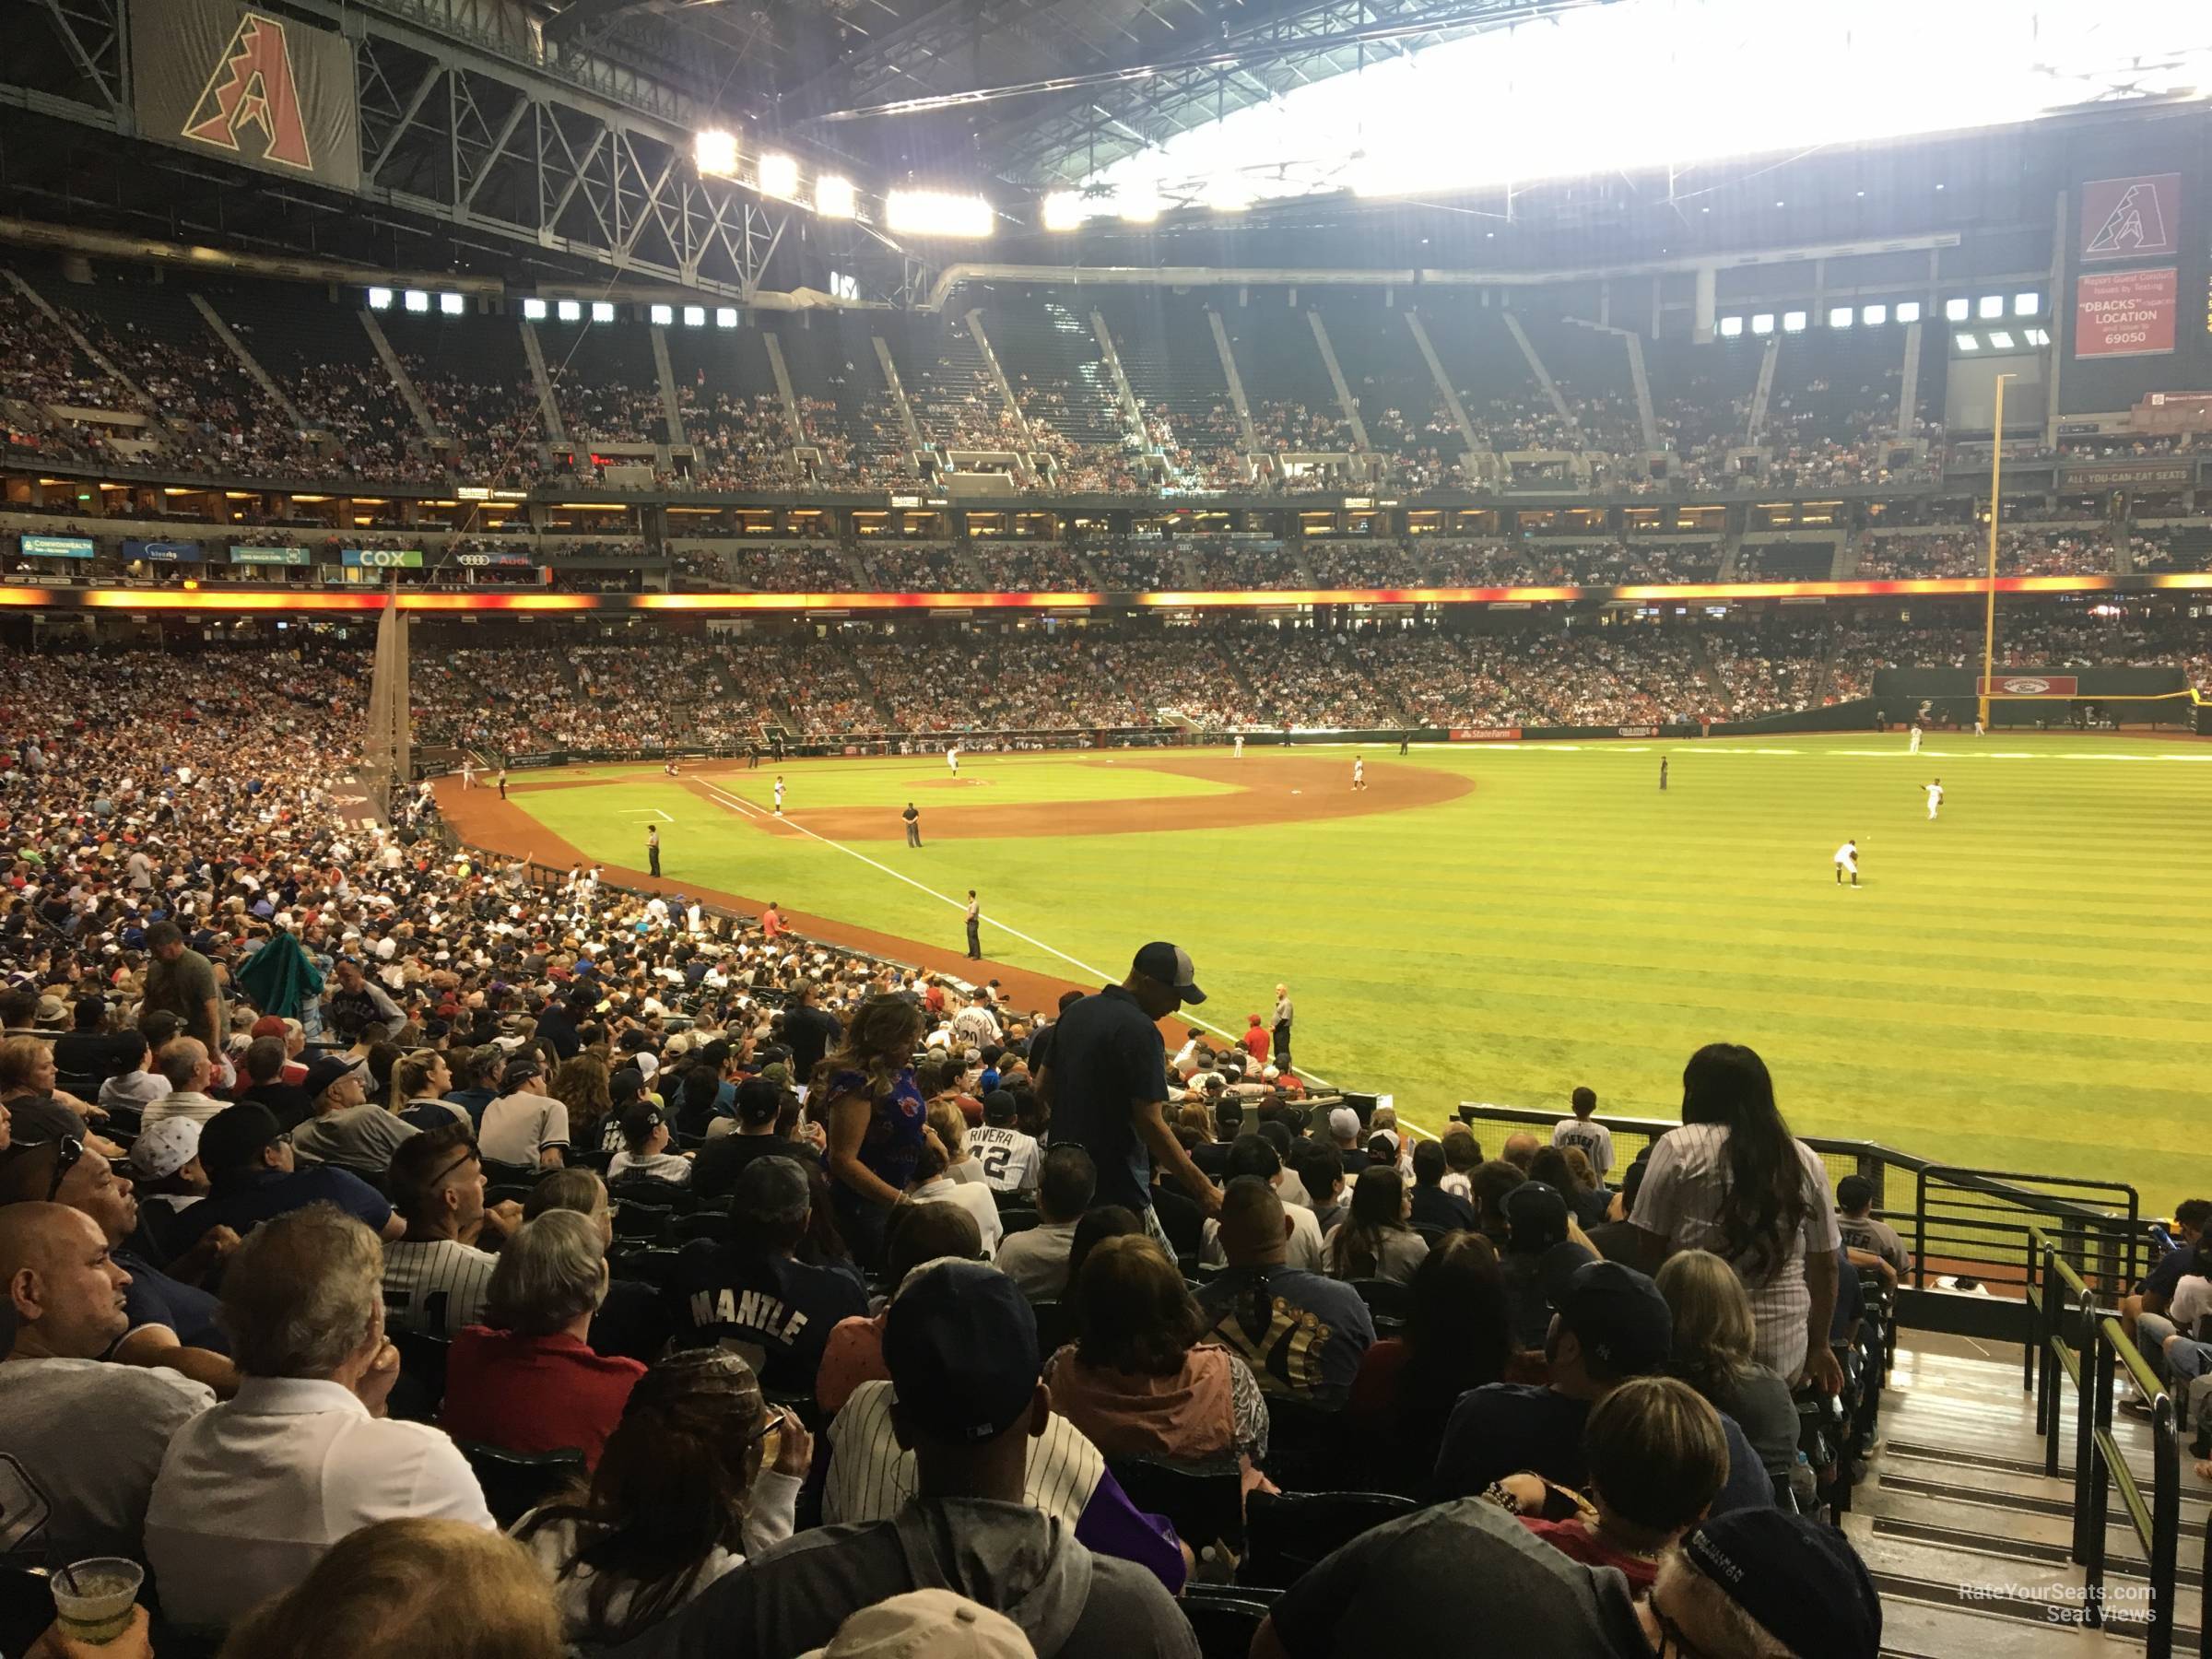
[[1762, 1205], [880, 1043], [1133, 1310], [671, 1487], [1459, 1332], [1377, 1209]]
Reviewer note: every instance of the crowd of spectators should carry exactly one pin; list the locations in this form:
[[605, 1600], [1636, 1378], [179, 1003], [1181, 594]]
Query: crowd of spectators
[[738, 442], [2029, 551]]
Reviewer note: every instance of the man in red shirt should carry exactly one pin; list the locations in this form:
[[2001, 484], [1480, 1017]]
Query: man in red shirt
[[772, 921], [1256, 1040]]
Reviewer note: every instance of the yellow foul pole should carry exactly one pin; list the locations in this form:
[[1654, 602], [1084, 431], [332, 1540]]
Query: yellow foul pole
[[1989, 614]]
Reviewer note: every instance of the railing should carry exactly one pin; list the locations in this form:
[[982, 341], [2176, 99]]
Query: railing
[[1962, 1225], [2063, 1297]]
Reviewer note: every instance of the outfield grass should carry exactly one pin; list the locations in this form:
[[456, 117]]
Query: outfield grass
[[2016, 985]]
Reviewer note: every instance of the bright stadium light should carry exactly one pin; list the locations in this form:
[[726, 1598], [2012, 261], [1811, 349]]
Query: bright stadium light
[[1874, 316], [1763, 323], [571, 311], [380, 299], [1958, 311], [2000, 340], [662, 315], [1967, 341], [1731, 327], [2038, 337], [1061, 210], [1839, 316], [603, 311], [533, 311], [1990, 306], [452, 305], [1908, 310], [1792, 321], [1228, 193], [937, 213], [835, 197], [2027, 305], [726, 316], [714, 152], [415, 299], [780, 177], [1136, 203], [1729, 84], [695, 316]]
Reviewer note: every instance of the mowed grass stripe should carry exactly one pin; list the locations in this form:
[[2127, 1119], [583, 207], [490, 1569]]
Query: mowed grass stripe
[[2016, 985]]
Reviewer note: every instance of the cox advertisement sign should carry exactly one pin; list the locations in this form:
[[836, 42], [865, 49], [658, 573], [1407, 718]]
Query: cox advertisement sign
[[381, 559]]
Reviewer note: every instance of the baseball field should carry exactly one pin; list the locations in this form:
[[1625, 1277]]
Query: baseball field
[[2018, 984]]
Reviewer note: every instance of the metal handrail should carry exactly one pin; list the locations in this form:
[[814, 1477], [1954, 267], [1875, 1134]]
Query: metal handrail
[[2092, 1362]]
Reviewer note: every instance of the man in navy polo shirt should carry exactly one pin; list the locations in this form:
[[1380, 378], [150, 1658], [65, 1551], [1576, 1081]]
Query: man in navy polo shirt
[[1105, 1083], [249, 1158]]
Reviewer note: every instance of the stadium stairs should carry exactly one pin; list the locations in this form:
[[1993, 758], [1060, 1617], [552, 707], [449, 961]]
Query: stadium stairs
[[1967, 1537]]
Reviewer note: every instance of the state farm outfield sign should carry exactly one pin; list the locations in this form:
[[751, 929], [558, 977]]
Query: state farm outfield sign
[[1485, 734], [2029, 685], [2126, 313]]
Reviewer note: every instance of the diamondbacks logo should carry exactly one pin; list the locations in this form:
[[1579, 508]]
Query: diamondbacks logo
[[253, 88], [2133, 224], [2027, 688]]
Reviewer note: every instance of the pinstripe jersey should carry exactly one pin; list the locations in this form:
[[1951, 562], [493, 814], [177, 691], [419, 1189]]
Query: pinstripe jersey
[[435, 1287], [870, 1477]]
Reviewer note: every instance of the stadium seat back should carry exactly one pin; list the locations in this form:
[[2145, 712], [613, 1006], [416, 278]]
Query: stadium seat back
[[1225, 1617], [421, 1388], [506, 1174], [1288, 1532], [1014, 1219], [1385, 1299], [26, 1606], [704, 1224], [515, 1483], [647, 1266], [1205, 1500], [652, 1222]]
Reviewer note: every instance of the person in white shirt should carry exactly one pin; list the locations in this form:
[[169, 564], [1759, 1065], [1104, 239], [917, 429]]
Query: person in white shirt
[[952, 759], [184, 1065], [1036, 1258], [437, 1276], [525, 1125], [1847, 862], [1008, 1157], [81, 1439], [1935, 798], [254, 1490], [1914, 747], [1593, 1138], [645, 1148], [1734, 1181], [933, 1185], [976, 1025]]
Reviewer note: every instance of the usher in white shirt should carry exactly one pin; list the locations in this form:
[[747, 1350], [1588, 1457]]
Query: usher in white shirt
[[254, 1490]]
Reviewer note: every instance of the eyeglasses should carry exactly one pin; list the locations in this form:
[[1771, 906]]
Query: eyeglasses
[[467, 1156], [68, 1152]]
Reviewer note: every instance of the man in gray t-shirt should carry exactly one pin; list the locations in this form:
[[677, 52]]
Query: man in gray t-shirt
[[81, 1440], [1476, 1569]]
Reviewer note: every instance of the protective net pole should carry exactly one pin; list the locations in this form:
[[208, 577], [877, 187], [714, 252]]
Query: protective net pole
[[387, 754]]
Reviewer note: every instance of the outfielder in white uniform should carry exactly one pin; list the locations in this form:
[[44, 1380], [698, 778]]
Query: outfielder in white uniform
[[952, 758], [1359, 773], [1240, 745], [1914, 748], [1847, 859], [779, 794], [1935, 798]]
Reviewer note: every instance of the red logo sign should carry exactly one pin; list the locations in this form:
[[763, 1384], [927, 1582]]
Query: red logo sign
[[2031, 685], [252, 86], [2124, 313], [2131, 219]]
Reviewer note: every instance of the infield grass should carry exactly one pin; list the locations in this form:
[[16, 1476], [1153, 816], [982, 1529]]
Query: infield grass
[[2019, 985]]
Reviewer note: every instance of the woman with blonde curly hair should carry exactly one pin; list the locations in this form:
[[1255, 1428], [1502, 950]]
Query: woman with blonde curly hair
[[580, 1085], [877, 1119]]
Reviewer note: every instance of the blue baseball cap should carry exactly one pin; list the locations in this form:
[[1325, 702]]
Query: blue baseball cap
[[960, 1343], [1170, 965]]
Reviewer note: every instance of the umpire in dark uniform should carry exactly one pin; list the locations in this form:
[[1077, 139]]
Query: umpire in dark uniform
[[913, 824], [652, 848], [975, 927]]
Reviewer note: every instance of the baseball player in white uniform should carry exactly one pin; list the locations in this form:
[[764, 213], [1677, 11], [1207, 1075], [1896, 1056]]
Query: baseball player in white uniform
[[952, 758], [1847, 860], [1238, 742], [779, 794], [1914, 747], [1935, 798], [1359, 772]]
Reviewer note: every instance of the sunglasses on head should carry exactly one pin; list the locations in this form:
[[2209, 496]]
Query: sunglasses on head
[[68, 1152]]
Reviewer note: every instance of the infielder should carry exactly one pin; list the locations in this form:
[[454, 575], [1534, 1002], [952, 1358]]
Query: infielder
[[1238, 753], [779, 794], [1914, 747], [1359, 772], [1847, 859]]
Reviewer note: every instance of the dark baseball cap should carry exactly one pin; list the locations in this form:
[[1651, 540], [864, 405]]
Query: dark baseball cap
[[330, 1069], [233, 1138], [518, 1071], [772, 1189], [960, 1343], [1614, 1312], [759, 1099], [1798, 1580], [1170, 965], [1538, 1216]]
